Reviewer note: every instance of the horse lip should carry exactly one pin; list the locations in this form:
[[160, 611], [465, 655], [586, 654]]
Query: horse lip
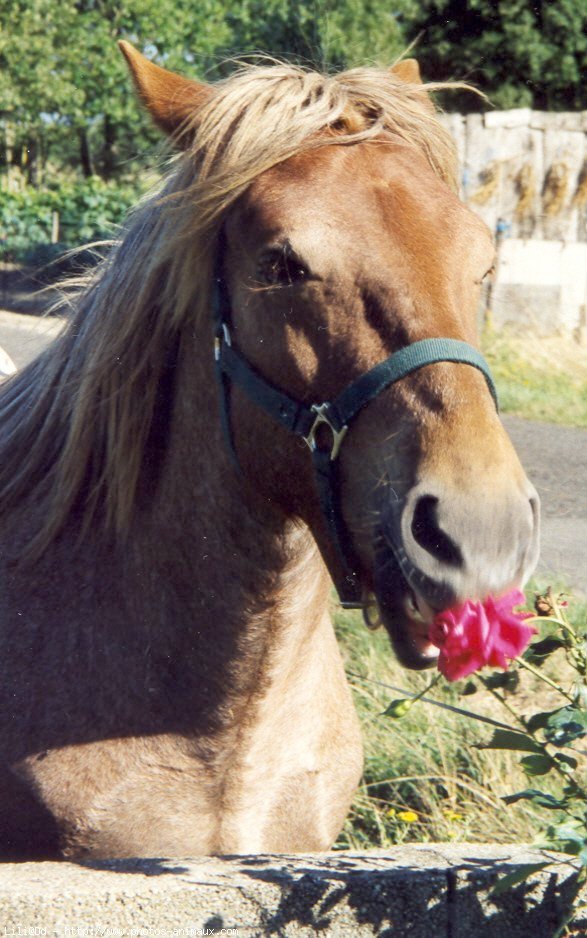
[[405, 614], [410, 641]]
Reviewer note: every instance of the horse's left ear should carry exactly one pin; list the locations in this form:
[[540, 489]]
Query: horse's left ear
[[170, 99], [407, 70]]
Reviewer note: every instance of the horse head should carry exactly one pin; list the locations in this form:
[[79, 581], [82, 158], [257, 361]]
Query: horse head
[[335, 254]]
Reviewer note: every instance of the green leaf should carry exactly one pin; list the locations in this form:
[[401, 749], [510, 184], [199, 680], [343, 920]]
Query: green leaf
[[564, 760], [518, 876], [538, 652], [509, 739], [507, 679], [537, 764], [398, 708], [536, 797], [532, 53], [566, 725], [539, 720], [470, 688], [569, 839]]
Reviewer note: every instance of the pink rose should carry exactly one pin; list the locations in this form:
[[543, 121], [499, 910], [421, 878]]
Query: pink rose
[[478, 633]]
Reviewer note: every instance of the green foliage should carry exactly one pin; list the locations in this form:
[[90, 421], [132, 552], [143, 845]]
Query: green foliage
[[66, 93], [429, 773], [519, 876], [426, 779], [322, 33], [541, 380], [521, 53], [64, 87], [398, 707], [88, 211], [67, 99], [544, 734], [565, 725], [508, 739]]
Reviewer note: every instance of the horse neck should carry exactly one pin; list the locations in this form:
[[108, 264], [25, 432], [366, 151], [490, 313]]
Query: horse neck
[[230, 560]]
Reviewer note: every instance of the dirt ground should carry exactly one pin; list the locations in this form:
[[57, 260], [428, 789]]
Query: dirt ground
[[555, 459]]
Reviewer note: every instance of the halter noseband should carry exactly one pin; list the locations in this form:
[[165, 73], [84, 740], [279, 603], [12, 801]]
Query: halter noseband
[[304, 421]]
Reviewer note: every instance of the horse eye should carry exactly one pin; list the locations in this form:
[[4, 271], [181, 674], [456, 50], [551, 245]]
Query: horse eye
[[281, 267]]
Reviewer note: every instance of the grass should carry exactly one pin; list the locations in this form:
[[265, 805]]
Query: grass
[[543, 379], [424, 778]]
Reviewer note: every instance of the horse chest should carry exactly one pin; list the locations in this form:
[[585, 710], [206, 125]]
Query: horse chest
[[295, 773], [151, 797], [278, 776]]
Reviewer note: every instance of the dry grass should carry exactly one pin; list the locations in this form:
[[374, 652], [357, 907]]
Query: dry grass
[[554, 192], [525, 184], [541, 378], [425, 779]]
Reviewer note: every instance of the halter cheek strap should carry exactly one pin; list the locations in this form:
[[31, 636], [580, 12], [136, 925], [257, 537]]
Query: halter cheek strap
[[304, 421]]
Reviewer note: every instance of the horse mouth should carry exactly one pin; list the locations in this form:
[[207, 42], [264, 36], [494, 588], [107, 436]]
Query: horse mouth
[[403, 611]]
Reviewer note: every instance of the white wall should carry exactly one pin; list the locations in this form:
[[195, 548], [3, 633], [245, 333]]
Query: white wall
[[542, 284], [541, 278]]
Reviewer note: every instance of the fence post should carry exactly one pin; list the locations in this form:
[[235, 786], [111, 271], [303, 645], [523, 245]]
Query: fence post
[[54, 227]]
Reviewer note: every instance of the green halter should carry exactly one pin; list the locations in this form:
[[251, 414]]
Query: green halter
[[304, 421]]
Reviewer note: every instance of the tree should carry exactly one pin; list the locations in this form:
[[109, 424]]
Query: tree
[[521, 53], [65, 88], [321, 33], [63, 79], [29, 82]]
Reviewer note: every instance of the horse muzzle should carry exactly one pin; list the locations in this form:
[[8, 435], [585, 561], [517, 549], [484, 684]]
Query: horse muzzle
[[402, 610], [436, 548]]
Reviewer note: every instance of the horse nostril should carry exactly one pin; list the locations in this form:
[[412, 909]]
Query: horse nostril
[[428, 534]]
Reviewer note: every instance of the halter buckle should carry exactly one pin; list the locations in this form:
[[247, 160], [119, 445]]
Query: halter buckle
[[321, 411], [223, 335]]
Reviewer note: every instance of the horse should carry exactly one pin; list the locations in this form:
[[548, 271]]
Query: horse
[[7, 366], [270, 383]]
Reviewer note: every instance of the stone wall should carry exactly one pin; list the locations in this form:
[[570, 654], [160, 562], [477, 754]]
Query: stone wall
[[413, 891], [540, 288], [525, 173], [528, 168]]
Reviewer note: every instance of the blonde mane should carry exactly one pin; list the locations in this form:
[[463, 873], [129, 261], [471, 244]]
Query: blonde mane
[[74, 424]]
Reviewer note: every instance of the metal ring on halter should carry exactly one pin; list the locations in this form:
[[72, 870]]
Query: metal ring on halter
[[321, 411], [219, 338]]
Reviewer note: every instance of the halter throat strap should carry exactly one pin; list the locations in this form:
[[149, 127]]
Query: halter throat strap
[[305, 421]]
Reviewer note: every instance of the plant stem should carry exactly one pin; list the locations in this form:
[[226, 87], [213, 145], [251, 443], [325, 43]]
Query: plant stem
[[560, 622], [543, 677], [543, 745], [504, 703], [432, 684]]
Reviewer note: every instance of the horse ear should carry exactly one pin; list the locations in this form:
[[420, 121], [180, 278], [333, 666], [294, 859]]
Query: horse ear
[[170, 99], [407, 70]]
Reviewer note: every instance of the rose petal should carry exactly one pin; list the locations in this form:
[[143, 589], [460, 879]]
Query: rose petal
[[474, 634]]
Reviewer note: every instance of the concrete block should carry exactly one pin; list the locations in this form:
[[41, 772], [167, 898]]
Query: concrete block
[[520, 307], [505, 142], [535, 908], [559, 120], [566, 151], [543, 283], [516, 117], [412, 891]]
